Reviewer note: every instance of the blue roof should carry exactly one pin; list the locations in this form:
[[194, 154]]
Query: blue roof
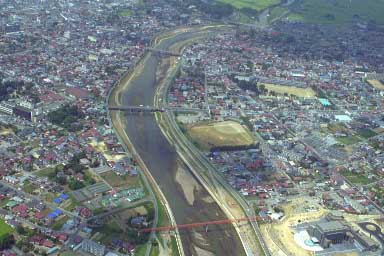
[[52, 215], [324, 102], [64, 196], [58, 211], [57, 200]]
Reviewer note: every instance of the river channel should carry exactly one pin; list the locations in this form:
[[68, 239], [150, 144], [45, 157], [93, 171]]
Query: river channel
[[164, 164]]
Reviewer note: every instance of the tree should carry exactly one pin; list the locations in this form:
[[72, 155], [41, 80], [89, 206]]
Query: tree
[[6, 241], [21, 230]]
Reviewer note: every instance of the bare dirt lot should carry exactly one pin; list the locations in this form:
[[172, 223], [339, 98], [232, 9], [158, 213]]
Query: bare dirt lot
[[291, 90], [376, 83], [227, 133]]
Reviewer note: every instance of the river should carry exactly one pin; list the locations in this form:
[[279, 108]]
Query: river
[[163, 163]]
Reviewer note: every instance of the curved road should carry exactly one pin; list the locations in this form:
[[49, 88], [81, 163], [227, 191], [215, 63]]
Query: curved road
[[161, 159]]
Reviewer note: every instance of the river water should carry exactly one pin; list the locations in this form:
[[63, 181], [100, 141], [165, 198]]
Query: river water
[[163, 162]]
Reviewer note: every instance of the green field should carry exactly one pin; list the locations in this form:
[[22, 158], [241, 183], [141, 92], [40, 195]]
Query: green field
[[252, 4], [5, 229], [125, 13], [348, 140], [277, 12], [355, 178], [337, 11]]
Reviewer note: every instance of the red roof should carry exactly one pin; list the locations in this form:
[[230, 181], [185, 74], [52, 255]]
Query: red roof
[[77, 92], [48, 243], [39, 215], [22, 208]]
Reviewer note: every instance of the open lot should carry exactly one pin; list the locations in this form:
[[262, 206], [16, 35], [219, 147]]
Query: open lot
[[227, 133], [118, 181], [377, 84], [252, 4], [101, 147], [291, 90], [5, 131]]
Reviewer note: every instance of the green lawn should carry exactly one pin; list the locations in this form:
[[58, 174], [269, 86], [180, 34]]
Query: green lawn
[[5, 229], [252, 4], [337, 11]]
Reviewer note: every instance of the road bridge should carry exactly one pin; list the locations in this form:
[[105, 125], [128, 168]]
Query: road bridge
[[201, 224], [163, 52], [149, 109]]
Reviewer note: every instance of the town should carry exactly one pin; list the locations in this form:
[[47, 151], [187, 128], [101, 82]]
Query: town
[[290, 116]]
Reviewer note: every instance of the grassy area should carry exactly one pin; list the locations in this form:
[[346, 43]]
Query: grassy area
[[4, 202], [5, 229], [175, 251], [140, 250], [69, 253], [337, 11], [162, 214], [117, 181], [227, 133], [355, 178], [125, 13], [252, 4], [348, 140], [366, 133], [155, 251], [337, 127], [60, 222], [29, 188], [276, 13], [291, 90], [109, 231], [46, 172]]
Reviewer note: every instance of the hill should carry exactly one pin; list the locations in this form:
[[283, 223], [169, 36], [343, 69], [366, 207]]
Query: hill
[[337, 11], [251, 4]]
